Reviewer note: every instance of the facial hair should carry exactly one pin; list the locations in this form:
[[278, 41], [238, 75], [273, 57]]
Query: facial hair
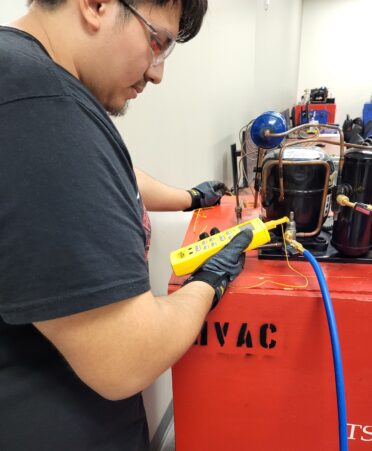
[[119, 112]]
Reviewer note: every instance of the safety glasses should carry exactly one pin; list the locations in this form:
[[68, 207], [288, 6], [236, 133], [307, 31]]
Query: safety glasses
[[162, 41]]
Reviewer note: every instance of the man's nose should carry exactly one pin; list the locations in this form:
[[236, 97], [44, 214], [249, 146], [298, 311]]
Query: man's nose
[[154, 74]]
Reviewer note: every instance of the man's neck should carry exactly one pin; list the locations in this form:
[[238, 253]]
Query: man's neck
[[46, 29]]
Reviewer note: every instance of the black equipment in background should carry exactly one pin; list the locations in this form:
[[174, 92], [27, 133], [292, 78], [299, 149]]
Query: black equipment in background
[[352, 231], [306, 187], [296, 175], [319, 94]]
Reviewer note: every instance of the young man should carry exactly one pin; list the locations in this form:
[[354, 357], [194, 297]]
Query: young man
[[80, 332]]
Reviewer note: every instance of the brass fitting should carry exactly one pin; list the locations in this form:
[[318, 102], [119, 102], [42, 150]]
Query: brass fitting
[[288, 236], [344, 201]]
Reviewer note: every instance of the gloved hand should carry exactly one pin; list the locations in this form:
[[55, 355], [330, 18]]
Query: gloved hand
[[225, 266], [206, 194]]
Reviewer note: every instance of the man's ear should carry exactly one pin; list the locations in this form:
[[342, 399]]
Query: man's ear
[[92, 12]]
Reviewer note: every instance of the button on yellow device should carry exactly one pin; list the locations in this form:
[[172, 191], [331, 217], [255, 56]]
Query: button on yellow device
[[187, 259]]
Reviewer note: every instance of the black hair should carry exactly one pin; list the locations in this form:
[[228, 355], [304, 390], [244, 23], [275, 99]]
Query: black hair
[[193, 12]]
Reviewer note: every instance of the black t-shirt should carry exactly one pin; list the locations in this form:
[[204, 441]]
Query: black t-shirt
[[71, 239]]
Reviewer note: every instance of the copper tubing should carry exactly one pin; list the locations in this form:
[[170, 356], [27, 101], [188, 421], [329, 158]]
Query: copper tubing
[[318, 127], [255, 203], [311, 140], [264, 179], [294, 129], [348, 145], [325, 190]]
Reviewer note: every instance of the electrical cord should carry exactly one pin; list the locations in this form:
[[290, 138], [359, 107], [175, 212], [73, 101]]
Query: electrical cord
[[247, 151], [337, 362]]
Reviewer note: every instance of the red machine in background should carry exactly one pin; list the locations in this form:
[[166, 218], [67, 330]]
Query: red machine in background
[[315, 106], [324, 113]]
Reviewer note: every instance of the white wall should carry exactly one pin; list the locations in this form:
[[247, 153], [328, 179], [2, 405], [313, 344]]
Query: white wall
[[11, 9], [277, 51], [335, 51], [243, 62]]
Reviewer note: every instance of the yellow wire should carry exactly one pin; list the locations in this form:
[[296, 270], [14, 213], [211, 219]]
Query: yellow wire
[[199, 215], [305, 285], [203, 230], [196, 219]]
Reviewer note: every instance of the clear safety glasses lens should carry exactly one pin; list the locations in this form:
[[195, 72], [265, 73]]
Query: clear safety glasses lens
[[162, 43]]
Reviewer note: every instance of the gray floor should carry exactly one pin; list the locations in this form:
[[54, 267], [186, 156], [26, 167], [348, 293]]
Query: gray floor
[[168, 441]]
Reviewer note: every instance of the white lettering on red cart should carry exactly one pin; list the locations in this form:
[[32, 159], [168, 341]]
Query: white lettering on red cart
[[360, 432]]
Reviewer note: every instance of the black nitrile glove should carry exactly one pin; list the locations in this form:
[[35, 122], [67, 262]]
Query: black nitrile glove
[[225, 266], [206, 194]]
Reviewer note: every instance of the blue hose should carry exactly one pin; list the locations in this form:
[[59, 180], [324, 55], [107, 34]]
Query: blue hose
[[337, 362]]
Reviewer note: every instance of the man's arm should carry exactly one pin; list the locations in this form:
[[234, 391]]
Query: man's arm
[[160, 197], [120, 349]]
